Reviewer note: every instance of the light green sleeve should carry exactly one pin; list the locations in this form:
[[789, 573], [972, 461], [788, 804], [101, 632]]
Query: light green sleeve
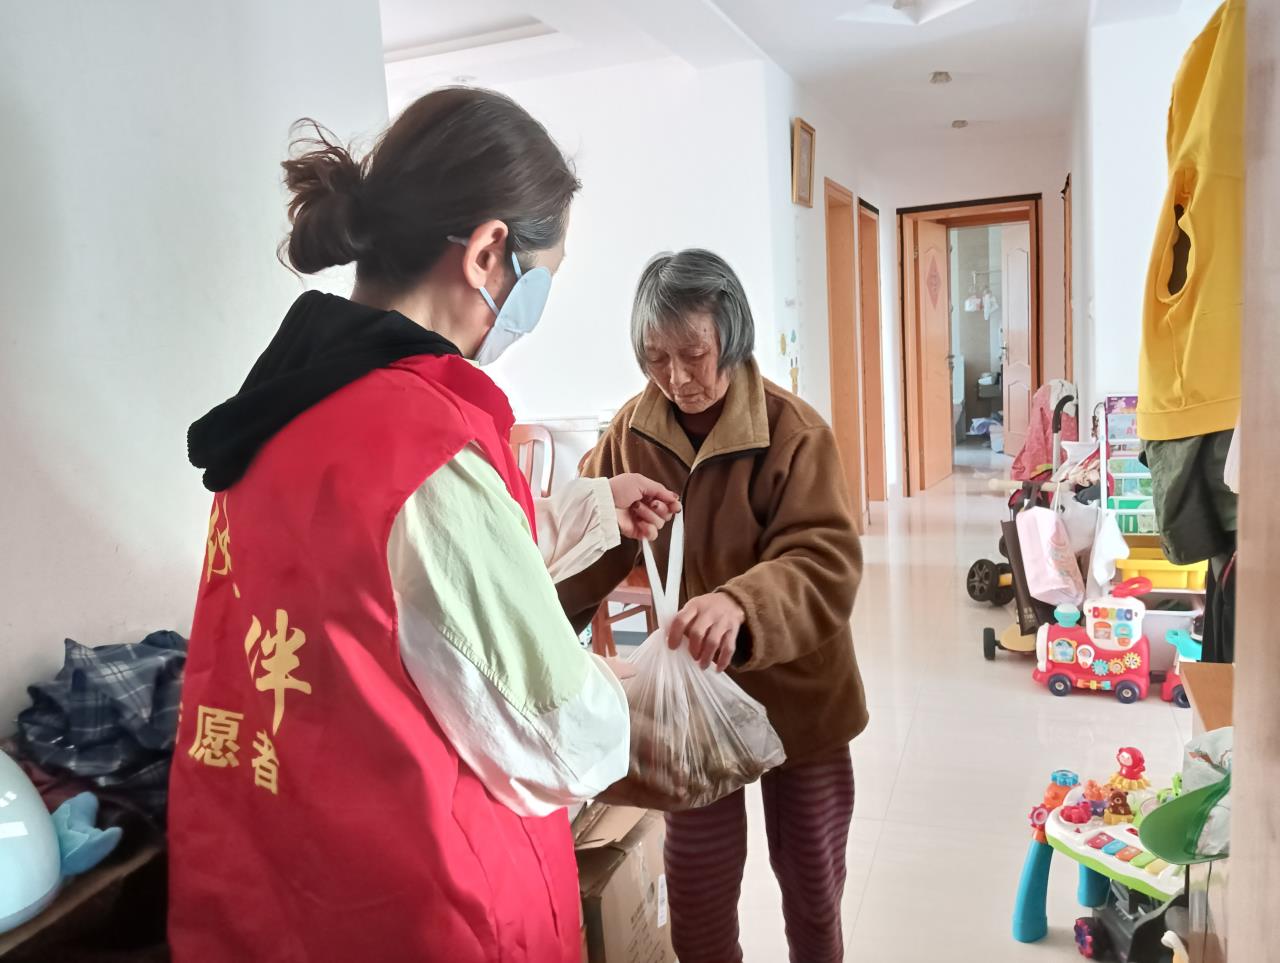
[[541, 720]]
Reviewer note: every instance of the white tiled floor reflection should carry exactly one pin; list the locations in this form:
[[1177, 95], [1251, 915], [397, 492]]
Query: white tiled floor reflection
[[957, 753]]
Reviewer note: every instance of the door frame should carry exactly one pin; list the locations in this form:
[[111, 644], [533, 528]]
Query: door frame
[[843, 336], [873, 428], [978, 213]]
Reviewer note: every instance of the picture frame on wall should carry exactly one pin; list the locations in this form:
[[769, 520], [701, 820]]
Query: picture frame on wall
[[803, 145]]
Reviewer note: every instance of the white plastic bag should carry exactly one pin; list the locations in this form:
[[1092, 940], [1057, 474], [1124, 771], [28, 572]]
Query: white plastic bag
[[1081, 520], [1231, 467], [1053, 573], [1109, 547], [696, 736]]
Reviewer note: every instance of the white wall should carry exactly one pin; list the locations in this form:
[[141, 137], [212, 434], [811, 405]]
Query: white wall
[[1119, 182], [669, 157], [800, 234], [956, 296], [1082, 307], [995, 338], [142, 206]]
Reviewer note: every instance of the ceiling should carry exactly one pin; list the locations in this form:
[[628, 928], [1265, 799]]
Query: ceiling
[[408, 24], [1014, 64], [433, 42]]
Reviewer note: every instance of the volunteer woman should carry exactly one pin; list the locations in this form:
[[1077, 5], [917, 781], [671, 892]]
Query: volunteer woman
[[772, 562], [385, 710]]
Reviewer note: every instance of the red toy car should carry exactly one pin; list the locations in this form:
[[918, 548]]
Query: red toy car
[[1108, 653]]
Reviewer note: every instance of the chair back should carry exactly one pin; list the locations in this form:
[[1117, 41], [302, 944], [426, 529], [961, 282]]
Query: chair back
[[535, 449]]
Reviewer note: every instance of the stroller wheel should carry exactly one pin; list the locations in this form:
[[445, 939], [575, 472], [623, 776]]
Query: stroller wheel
[[989, 644], [982, 580], [1004, 549]]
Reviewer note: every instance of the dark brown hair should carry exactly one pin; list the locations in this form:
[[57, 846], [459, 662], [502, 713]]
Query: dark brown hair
[[455, 158]]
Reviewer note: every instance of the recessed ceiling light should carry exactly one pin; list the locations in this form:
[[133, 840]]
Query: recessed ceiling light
[[959, 124], [939, 77]]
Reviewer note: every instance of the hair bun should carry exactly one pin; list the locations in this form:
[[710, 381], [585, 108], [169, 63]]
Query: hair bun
[[324, 211]]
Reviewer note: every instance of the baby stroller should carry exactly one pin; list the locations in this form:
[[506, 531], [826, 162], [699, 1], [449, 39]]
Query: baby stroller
[[993, 582]]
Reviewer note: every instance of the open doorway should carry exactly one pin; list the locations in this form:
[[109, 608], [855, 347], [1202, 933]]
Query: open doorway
[[930, 385], [990, 304]]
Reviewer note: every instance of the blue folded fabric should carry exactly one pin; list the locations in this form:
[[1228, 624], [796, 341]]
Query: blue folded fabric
[[110, 716]]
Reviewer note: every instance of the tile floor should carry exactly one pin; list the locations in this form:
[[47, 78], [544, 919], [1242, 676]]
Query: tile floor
[[957, 752]]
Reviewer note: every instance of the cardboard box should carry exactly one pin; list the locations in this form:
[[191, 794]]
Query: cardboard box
[[624, 885]]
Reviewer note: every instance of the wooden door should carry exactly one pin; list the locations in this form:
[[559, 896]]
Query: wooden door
[[842, 331], [933, 287], [1018, 345], [872, 375]]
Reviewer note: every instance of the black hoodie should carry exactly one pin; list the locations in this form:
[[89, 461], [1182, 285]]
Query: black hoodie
[[324, 343]]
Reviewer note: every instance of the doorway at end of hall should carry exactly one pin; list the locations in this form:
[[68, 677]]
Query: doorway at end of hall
[[990, 301], [929, 351]]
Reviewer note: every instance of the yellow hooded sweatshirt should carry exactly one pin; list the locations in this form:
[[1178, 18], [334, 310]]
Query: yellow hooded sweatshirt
[[1189, 369]]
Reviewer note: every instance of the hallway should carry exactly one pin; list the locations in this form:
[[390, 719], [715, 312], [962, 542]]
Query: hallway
[[957, 753]]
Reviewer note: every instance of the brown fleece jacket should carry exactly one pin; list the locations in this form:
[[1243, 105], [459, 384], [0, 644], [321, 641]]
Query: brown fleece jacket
[[767, 521]]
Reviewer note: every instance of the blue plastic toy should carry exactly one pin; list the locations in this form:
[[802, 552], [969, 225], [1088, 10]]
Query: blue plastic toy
[[38, 851]]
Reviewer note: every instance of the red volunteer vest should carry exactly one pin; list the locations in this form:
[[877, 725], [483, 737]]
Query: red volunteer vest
[[317, 812]]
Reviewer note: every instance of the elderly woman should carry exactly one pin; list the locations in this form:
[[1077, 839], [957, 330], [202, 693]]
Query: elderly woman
[[772, 563]]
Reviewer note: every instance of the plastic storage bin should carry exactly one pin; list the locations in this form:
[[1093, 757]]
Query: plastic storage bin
[[1158, 623], [1149, 562]]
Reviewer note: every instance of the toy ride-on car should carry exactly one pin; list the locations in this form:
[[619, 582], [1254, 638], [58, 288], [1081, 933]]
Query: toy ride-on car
[[1108, 653]]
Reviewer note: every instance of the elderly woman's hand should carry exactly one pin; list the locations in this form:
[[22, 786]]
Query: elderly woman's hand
[[710, 623], [643, 506]]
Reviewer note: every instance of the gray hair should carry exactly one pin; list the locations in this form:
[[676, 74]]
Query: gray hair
[[675, 286]]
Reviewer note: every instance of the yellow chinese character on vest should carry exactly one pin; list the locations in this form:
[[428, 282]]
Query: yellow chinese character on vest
[[266, 765], [218, 547], [216, 733], [278, 653]]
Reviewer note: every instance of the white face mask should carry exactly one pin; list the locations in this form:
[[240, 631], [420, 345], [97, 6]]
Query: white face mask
[[520, 313]]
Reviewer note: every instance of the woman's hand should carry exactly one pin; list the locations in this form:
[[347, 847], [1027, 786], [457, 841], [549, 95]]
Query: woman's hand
[[710, 623], [643, 506]]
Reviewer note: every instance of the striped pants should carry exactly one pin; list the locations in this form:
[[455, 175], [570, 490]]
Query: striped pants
[[807, 810]]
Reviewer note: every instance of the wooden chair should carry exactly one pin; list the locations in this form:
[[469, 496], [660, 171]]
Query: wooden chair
[[525, 442], [635, 597]]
